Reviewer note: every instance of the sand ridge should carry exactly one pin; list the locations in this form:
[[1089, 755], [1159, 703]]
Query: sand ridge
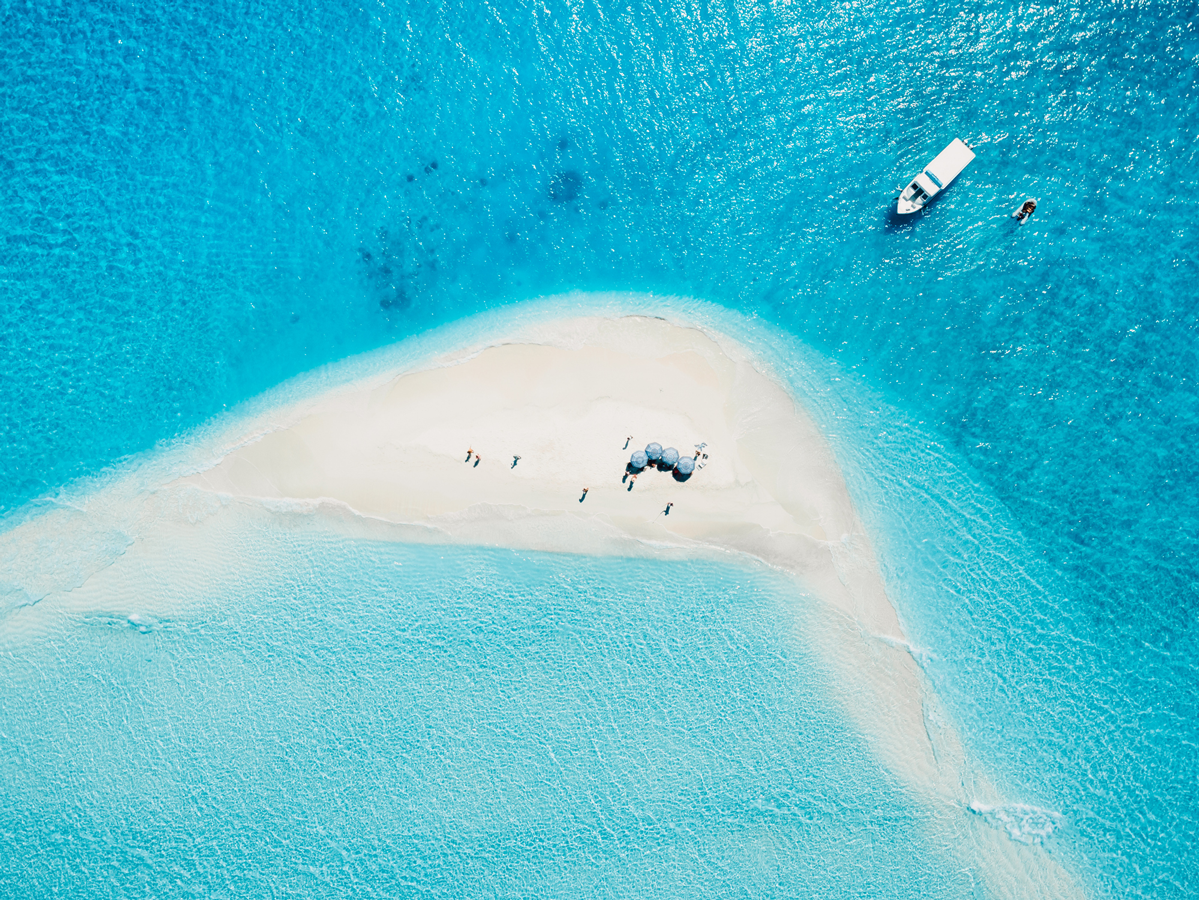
[[387, 458]]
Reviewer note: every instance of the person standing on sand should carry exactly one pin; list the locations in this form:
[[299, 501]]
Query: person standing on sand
[[468, 454], [515, 460], [478, 459], [584, 497]]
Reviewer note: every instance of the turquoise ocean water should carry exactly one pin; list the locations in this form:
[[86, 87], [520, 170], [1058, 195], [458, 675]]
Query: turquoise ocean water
[[202, 201], [381, 720]]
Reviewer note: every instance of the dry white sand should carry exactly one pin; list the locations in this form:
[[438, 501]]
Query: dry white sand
[[389, 457]]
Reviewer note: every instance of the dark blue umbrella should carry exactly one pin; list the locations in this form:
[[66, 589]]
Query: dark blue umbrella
[[685, 466], [670, 456], [639, 460], [653, 451]]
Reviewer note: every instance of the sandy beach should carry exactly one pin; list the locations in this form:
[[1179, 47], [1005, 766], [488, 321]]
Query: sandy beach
[[572, 399], [431, 455]]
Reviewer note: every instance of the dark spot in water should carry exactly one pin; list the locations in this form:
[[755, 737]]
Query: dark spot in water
[[541, 214], [427, 170], [483, 182], [603, 204], [393, 300], [398, 270], [566, 186], [433, 165], [511, 236], [410, 177], [295, 317], [563, 144]]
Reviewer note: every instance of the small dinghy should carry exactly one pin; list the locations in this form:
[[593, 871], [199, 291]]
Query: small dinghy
[[937, 175], [1027, 208]]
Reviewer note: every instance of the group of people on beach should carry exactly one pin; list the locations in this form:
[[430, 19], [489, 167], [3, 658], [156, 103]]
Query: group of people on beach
[[629, 473]]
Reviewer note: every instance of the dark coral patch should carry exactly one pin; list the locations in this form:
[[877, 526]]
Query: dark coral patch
[[566, 186]]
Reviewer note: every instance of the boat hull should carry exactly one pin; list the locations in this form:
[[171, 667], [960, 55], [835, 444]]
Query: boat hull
[[935, 178]]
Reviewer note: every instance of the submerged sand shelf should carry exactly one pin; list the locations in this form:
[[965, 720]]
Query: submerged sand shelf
[[388, 458]]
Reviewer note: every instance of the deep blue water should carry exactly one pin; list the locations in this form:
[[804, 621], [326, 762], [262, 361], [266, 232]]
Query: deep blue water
[[198, 202]]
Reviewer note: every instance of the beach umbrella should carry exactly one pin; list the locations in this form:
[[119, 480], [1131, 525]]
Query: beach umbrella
[[638, 460], [653, 451], [685, 466], [670, 456]]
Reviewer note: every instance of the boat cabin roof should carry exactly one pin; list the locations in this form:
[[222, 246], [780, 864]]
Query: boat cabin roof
[[949, 162]]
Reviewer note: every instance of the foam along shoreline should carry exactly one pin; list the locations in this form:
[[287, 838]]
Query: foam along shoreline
[[388, 458]]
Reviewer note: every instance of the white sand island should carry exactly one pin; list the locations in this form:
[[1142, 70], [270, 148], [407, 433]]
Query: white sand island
[[572, 399], [387, 457]]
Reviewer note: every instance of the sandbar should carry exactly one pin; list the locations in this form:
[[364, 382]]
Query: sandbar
[[572, 398]]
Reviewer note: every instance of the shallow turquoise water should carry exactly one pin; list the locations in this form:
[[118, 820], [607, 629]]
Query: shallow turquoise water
[[202, 202], [375, 719]]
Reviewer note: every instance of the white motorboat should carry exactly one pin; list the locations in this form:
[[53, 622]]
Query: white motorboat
[[945, 167]]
